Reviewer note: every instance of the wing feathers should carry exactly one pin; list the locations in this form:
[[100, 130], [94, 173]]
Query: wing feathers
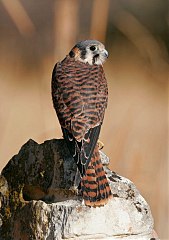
[[82, 151]]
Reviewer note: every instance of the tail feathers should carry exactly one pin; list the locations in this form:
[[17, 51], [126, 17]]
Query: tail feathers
[[95, 187]]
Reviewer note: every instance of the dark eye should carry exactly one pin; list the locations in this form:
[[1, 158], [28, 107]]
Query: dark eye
[[92, 48]]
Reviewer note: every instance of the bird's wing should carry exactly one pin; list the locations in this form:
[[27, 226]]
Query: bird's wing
[[79, 95], [82, 151]]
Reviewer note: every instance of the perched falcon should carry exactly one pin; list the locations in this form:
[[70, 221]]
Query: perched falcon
[[79, 93]]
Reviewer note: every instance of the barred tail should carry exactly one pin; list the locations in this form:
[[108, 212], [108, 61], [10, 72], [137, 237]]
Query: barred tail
[[95, 187]]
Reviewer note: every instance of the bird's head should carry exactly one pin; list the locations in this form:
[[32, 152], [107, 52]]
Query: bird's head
[[89, 51]]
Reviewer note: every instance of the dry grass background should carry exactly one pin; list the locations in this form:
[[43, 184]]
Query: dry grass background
[[35, 35]]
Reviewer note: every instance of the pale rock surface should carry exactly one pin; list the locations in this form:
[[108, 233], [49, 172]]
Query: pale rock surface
[[39, 200]]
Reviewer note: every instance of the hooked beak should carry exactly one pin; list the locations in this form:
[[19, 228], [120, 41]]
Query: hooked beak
[[105, 53]]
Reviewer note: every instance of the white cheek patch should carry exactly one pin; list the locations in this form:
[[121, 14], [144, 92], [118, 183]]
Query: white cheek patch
[[89, 58]]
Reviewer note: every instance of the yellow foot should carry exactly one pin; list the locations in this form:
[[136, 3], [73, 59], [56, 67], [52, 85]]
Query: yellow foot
[[100, 144]]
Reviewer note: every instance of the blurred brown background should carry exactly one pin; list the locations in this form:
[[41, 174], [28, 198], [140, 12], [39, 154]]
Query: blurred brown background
[[36, 34]]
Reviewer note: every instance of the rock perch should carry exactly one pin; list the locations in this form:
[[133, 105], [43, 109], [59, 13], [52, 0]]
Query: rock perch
[[39, 201]]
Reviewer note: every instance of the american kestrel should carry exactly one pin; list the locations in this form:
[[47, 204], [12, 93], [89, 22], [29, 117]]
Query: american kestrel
[[79, 93]]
